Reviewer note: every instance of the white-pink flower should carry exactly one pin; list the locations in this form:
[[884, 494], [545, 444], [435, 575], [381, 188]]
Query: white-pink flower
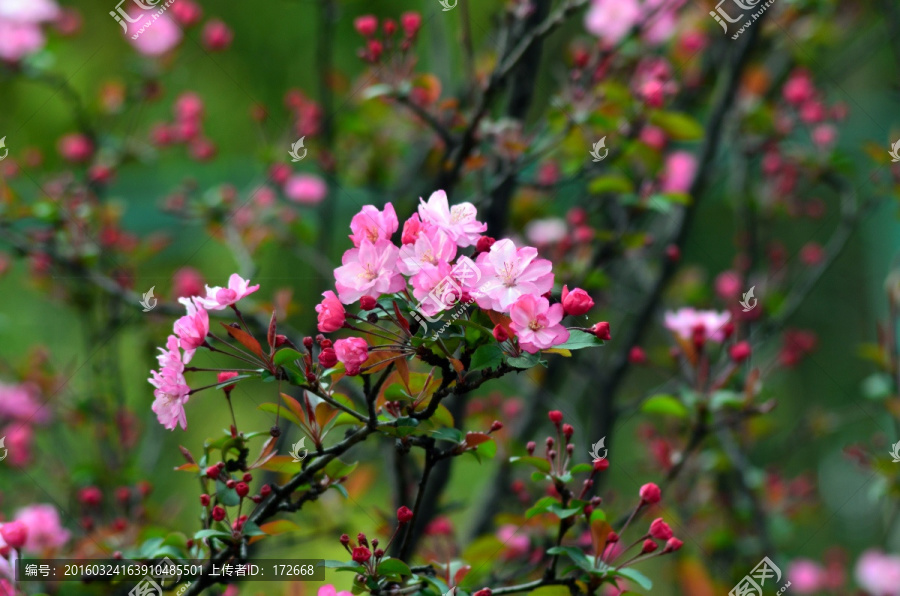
[[218, 298], [44, 528], [157, 37], [878, 573], [611, 20], [352, 351], [536, 323], [684, 321], [305, 189], [192, 328], [431, 247], [22, 402], [678, 173], [28, 11], [369, 270], [374, 225], [458, 221], [329, 590], [20, 31], [508, 273], [171, 393], [170, 359]]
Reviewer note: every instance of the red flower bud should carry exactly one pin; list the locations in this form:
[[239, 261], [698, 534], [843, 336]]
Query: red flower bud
[[672, 544], [601, 330], [247, 477], [500, 333], [14, 533], [410, 21], [483, 592], [361, 554], [361, 538], [660, 529], [379, 553], [649, 547], [204, 500], [265, 491], [612, 538], [637, 356], [390, 26], [345, 540], [530, 447], [218, 513], [368, 303], [226, 376], [90, 496], [404, 515], [673, 253], [242, 489], [601, 464], [366, 25], [555, 416], [650, 493], [484, 244], [577, 302], [568, 430], [280, 340], [496, 425], [212, 472], [328, 358], [230, 483], [740, 351]]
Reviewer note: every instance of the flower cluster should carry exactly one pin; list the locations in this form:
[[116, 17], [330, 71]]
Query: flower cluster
[[20, 411], [190, 332], [20, 26], [35, 529]]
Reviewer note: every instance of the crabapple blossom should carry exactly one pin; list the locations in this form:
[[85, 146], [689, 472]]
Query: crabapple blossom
[[536, 323], [21, 402], [685, 321], [20, 26], [508, 273], [14, 533], [430, 248], [171, 394], [352, 351], [192, 328], [373, 225], [678, 172], [44, 528], [650, 493], [331, 313], [305, 189], [329, 590], [412, 227], [878, 573], [806, 576], [611, 20], [218, 298], [368, 270], [458, 221], [164, 35]]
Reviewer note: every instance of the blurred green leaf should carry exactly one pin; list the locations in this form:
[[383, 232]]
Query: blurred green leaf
[[666, 405]]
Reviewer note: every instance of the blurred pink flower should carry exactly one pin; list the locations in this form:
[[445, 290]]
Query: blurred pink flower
[[17, 40], [217, 36], [329, 590], [799, 87], [806, 576], [18, 443], [188, 107], [878, 573], [28, 11], [169, 359], [516, 545], [536, 323], [546, 231], [352, 351], [44, 529], [678, 173], [611, 20], [187, 282], [75, 147], [683, 322], [22, 402], [458, 221], [508, 273], [374, 225], [153, 38], [369, 270], [219, 298], [824, 135], [728, 285], [305, 189], [192, 328]]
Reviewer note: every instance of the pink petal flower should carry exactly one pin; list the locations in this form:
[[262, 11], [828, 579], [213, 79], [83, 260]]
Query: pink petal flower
[[508, 273], [369, 270], [329, 590], [806, 576], [374, 225], [678, 173], [611, 20], [536, 323], [878, 573], [331, 313], [305, 189], [352, 351], [683, 322], [458, 222], [22, 403], [157, 37], [28, 11], [192, 328], [18, 39], [171, 393], [45, 531], [430, 248], [218, 298]]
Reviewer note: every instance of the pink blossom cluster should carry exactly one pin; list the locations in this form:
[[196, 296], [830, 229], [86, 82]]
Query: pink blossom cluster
[[190, 331], [613, 20], [20, 410], [20, 26], [35, 529], [186, 129], [498, 276]]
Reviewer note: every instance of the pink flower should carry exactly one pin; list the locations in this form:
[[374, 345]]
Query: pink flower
[[508, 273], [824, 135], [878, 573], [22, 402], [329, 590], [611, 20], [684, 321], [76, 148], [728, 285], [678, 173], [187, 282], [799, 88], [217, 35], [430, 248], [660, 529], [516, 545], [373, 225], [368, 271], [305, 189], [458, 222], [536, 323], [17, 40], [170, 362], [188, 107], [171, 393], [331, 313], [806, 576], [186, 12], [18, 441], [412, 227], [192, 328], [14, 534], [218, 298], [28, 11], [546, 231], [352, 351], [158, 37], [44, 530]]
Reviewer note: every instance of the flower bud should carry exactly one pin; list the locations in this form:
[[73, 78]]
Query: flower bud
[[740, 351], [648, 547], [601, 464], [660, 529], [577, 302], [500, 333], [612, 538], [247, 477], [601, 330], [368, 303], [530, 447], [361, 554], [404, 515], [230, 483], [496, 425], [212, 472], [555, 416], [242, 489], [328, 358], [14, 533], [484, 244], [345, 540], [483, 592], [379, 553], [361, 538], [366, 25], [568, 430], [673, 253], [90, 496], [218, 513], [650, 493], [226, 375], [204, 500], [672, 544], [637, 355]]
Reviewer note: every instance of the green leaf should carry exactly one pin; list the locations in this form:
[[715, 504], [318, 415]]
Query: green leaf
[[726, 399], [526, 360], [636, 576], [403, 427], [341, 566], [579, 468], [551, 591], [580, 339], [226, 496], [232, 381], [286, 356], [393, 567], [561, 513], [448, 434], [665, 405], [486, 356], [612, 183], [543, 505], [212, 534], [538, 462], [678, 126], [280, 411], [487, 449], [251, 529], [338, 469], [878, 386], [576, 554]]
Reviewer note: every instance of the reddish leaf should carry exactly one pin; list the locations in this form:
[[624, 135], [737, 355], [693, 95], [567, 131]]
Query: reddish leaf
[[245, 339], [265, 454], [474, 439], [403, 369], [188, 468], [187, 454], [400, 318], [294, 406], [502, 320], [461, 574], [270, 336], [325, 413], [600, 530]]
